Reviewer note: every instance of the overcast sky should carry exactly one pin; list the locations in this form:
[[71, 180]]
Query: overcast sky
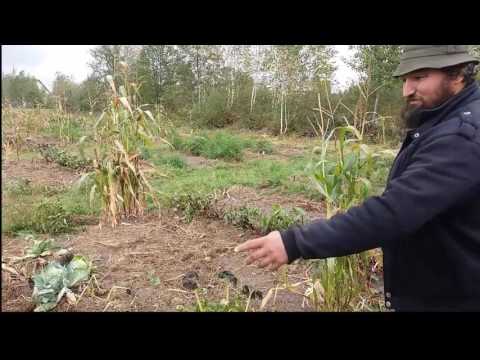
[[43, 61]]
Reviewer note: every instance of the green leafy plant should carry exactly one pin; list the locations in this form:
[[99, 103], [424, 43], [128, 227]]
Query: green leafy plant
[[56, 280], [175, 139], [220, 145], [281, 219], [52, 154], [39, 247], [244, 217], [345, 180], [153, 279], [195, 144], [253, 218], [192, 204], [174, 161], [50, 217], [263, 147], [223, 145]]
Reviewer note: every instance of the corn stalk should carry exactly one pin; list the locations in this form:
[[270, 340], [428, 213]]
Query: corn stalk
[[118, 134], [344, 182]]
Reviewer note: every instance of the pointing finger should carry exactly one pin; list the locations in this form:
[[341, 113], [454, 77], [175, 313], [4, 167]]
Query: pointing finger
[[250, 245]]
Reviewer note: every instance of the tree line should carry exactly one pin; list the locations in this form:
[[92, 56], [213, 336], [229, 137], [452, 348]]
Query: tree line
[[282, 88]]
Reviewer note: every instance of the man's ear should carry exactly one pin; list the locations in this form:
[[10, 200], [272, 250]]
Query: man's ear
[[459, 79]]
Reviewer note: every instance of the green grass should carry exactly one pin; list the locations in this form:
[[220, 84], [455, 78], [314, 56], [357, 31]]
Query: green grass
[[287, 176], [76, 202], [223, 146], [256, 173], [46, 216], [260, 146], [174, 161], [43, 209], [21, 187], [218, 144], [18, 187], [236, 304]]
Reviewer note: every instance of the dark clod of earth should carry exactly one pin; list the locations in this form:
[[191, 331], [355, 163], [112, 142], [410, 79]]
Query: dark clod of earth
[[256, 294], [187, 256], [190, 280], [228, 275]]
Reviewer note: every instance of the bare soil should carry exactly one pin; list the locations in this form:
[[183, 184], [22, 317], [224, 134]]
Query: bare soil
[[39, 172], [198, 161], [130, 258]]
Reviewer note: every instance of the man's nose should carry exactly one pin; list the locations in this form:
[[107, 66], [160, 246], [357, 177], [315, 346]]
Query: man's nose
[[408, 88]]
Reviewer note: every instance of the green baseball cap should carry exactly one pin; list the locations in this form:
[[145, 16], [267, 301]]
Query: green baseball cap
[[416, 57]]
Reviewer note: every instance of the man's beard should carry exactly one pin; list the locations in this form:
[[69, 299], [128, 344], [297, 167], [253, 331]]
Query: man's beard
[[412, 114]]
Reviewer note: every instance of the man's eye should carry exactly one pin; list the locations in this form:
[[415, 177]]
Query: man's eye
[[420, 77]]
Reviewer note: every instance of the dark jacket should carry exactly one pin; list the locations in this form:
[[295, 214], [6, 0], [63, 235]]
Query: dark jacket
[[427, 221]]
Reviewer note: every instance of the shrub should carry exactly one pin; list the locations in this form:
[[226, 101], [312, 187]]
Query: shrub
[[174, 161], [219, 146], [52, 154], [193, 204], [212, 113], [224, 146]]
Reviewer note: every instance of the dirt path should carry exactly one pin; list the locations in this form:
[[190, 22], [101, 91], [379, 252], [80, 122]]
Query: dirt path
[[198, 161]]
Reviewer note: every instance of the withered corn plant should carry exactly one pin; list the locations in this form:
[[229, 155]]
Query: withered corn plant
[[16, 129], [118, 134]]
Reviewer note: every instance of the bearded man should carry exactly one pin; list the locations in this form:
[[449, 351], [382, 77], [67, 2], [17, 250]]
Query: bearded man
[[427, 221]]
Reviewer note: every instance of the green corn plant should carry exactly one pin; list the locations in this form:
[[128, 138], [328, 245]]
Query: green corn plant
[[344, 182]]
